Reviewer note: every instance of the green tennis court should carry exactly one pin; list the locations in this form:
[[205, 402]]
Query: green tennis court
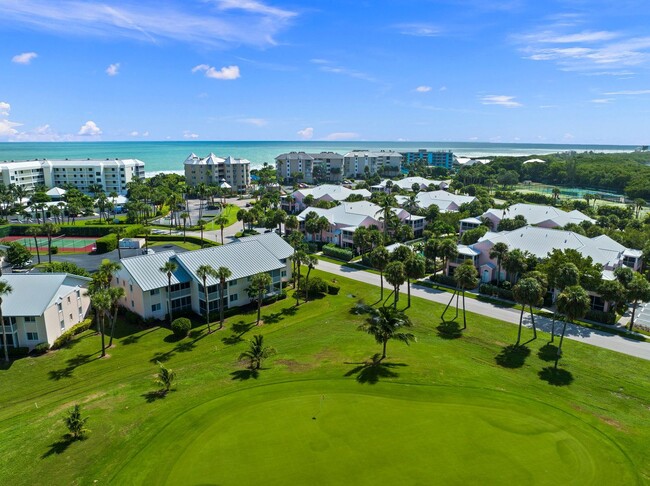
[[64, 243]]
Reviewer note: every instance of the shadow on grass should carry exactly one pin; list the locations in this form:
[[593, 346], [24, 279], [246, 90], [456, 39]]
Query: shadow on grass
[[73, 363], [548, 352], [371, 371], [153, 396], [135, 338], [512, 356], [185, 347], [172, 338], [238, 330], [162, 357], [289, 311], [449, 330], [272, 318], [59, 447], [556, 377], [245, 374]]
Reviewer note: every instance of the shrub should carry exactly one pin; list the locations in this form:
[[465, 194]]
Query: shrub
[[444, 280], [333, 288], [106, 243], [54, 250], [65, 338], [317, 285], [181, 327], [336, 252], [17, 352], [608, 317], [41, 348], [274, 298]]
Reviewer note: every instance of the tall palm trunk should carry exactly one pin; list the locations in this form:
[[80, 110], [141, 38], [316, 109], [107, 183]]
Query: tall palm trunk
[[221, 285], [559, 348], [101, 320], [207, 304], [38, 252], [521, 320], [259, 307], [169, 298], [532, 320], [383, 354], [4, 334], [381, 283]]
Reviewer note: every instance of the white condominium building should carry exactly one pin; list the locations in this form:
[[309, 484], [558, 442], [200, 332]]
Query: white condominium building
[[213, 170], [377, 161], [322, 167], [111, 174]]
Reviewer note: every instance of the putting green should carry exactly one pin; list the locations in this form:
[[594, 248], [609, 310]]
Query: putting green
[[330, 432]]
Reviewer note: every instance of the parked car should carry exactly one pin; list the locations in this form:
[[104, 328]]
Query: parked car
[[147, 251]]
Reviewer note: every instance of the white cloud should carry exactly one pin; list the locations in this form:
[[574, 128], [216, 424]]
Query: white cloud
[[24, 58], [7, 128], [227, 23], [501, 100], [189, 135], [258, 122], [330, 67], [423, 89], [5, 108], [306, 133], [113, 69], [602, 101], [90, 129], [443, 88], [225, 73], [134, 133], [629, 92], [332, 137], [419, 29]]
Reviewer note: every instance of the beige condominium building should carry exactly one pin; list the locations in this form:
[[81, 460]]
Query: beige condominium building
[[322, 167], [384, 162], [111, 174], [213, 170]]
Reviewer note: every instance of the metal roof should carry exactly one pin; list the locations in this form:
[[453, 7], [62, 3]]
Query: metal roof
[[33, 293], [335, 192], [244, 258], [145, 270], [272, 242], [537, 213]]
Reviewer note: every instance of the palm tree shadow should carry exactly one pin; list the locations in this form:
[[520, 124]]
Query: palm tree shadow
[[556, 376], [162, 357], [245, 374], [289, 311], [449, 330], [371, 371], [548, 352], [512, 356], [73, 363], [273, 318], [238, 330], [152, 396], [58, 447]]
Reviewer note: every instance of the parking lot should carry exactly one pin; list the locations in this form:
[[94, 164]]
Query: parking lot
[[642, 317]]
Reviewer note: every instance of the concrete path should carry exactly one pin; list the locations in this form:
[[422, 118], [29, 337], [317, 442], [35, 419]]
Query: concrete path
[[593, 337]]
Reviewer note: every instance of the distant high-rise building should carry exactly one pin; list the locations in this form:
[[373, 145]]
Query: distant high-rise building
[[213, 170], [322, 167], [436, 158], [384, 162]]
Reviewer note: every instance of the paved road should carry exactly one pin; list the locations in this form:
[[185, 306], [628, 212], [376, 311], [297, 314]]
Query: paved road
[[577, 333]]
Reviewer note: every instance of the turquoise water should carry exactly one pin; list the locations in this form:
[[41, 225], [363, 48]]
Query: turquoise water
[[169, 156]]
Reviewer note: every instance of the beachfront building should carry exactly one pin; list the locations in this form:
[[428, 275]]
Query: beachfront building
[[42, 306], [309, 168], [295, 202], [407, 183], [536, 215], [360, 162], [213, 170], [345, 218], [446, 201], [145, 286], [540, 242], [435, 158], [112, 175]]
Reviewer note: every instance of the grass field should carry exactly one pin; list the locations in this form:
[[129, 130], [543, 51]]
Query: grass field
[[230, 212], [65, 244], [453, 407]]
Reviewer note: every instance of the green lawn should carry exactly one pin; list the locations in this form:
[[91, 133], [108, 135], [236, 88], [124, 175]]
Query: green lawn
[[230, 211], [187, 245], [450, 408]]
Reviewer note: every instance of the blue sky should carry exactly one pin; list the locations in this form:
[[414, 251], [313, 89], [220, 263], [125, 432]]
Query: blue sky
[[563, 71]]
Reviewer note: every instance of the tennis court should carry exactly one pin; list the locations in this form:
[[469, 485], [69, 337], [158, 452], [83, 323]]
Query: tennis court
[[64, 243]]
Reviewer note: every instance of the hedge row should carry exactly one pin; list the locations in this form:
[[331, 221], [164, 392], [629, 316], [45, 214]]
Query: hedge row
[[106, 243], [444, 280], [608, 317], [67, 336], [190, 239], [494, 291], [336, 252]]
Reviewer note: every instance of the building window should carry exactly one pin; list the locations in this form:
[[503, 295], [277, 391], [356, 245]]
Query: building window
[[81, 312], [233, 297], [155, 291], [132, 304], [32, 336], [155, 307], [62, 323], [29, 319], [68, 299], [284, 273], [117, 280], [59, 307], [71, 317]]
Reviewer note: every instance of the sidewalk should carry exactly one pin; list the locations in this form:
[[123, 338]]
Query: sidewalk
[[593, 337]]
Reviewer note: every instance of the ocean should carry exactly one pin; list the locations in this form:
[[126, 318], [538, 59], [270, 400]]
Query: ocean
[[169, 156]]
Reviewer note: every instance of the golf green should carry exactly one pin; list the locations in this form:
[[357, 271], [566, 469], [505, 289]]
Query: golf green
[[318, 432]]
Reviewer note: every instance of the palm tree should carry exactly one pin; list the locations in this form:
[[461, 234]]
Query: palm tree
[[221, 221], [386, 203], [638, 290], [259, 284], [396, 276], [448, 249], [169, 268], [224, 274], [386, 323], [35, 231], [499, 251], [466, 277], [257, 352], [415, 268], [146, 231], [75, 423], [241, 216], [574, 303], [184, 216], [379, 257], [203, 272], [528, 292], [311, 261], [201, 223], [166, 377], [291, 224], [101, 301], [115, 293], [299, 257], [50, 229], [431, 250], [5, 289]]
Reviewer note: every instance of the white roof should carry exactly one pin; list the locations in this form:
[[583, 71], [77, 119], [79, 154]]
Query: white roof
[[467, 250], [56, 192], [353, 213], [212, 159], [534, 161], [541, 241], [442, 199], [145, 270], [335, 192], [373, 153], [468, 161], [33, 293], [471, 220], [407, 182], [536, 214], [308, 156]]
